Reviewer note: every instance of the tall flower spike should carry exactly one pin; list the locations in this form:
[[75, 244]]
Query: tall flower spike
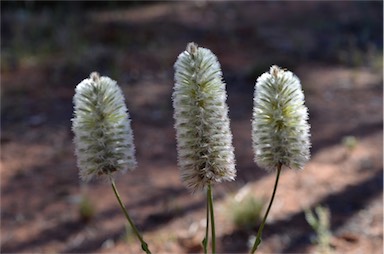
[[280, 130], [204, 139], [101, 124]]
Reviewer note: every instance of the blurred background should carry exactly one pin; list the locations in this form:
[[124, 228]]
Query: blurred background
[[47, 48]]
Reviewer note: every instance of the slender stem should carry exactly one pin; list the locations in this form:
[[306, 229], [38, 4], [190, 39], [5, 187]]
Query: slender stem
[[258, 237], [205, 241], [144, 245], [212, 215]]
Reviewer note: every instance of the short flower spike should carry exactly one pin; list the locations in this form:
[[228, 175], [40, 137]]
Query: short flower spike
[[204, 139], [280, 130], [101, 124]]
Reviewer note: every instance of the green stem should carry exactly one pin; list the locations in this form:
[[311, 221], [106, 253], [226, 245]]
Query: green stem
[[258, 237], [205, 241], [210, 202], [144, 245]]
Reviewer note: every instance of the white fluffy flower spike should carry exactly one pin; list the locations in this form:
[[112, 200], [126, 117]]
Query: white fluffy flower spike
[[280, 130], [204, 139], [101, 124]]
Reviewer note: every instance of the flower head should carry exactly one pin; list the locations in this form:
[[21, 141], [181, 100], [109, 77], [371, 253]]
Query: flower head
[[280, 130], [101, 124], [204, 139]]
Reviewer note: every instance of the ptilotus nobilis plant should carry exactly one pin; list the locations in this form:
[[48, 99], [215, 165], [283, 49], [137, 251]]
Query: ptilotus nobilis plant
[[101, 124], [204, 139], [103, 134], [280, 129]]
